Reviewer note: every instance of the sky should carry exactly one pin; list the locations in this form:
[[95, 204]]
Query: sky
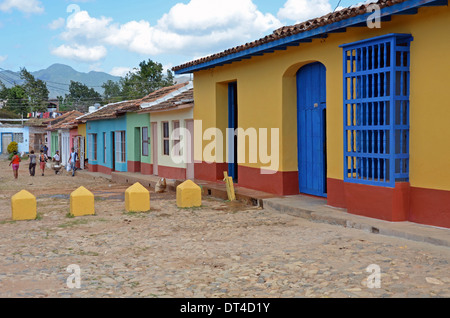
[[115, 36]]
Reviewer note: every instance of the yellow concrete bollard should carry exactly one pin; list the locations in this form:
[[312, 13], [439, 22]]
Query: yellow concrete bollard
[[23, 205], [189, 195], [82, 202], [137, 198]]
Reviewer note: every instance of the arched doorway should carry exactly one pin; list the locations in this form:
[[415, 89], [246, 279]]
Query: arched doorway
[[311, 129]]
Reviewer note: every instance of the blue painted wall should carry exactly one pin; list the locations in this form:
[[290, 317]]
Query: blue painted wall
[[10, 130], [107, 126]]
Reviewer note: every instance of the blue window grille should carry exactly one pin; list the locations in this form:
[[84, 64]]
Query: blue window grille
[[376, 110]]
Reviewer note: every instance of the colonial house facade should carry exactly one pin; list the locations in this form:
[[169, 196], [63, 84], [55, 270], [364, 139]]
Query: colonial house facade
[[356, 112]]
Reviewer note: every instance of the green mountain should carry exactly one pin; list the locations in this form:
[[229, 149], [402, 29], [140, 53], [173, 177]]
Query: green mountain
[[58, 77]]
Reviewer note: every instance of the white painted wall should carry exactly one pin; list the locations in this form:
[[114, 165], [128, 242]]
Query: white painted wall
[[170, 116], [23, 146]]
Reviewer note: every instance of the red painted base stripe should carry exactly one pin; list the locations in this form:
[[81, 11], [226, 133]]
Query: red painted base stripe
[[172, 173], [431, 207], [402, 203]]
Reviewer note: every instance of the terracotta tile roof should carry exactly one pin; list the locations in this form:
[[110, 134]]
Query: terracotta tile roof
[[53, 121], [181, 101], [73, 123], [113, 110], [36, 122], [162, 92], [287, 31], [64, 120]]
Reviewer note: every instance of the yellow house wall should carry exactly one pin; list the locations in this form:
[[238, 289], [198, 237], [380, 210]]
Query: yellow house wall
[[82, 132], [267, 95]]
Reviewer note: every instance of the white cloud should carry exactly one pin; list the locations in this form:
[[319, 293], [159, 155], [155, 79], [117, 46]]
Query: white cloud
[[190, 28], [302, 10], [81, 26], [25, 6], [57, 24], [81, 53], [120, 71], [205, 16], [3, 58]]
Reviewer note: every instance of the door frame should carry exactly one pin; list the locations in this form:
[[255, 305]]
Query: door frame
[[190, 166], [65, 146], [154, 140], [113, 147], [318, 172], [1, 141], [137, 148], [82, 143]]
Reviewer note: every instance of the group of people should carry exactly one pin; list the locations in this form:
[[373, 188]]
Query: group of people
[[43, 159]]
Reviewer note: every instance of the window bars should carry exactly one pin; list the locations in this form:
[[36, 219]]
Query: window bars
[[376, 110]]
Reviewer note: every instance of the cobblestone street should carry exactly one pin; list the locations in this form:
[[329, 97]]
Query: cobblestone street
[[222, 249]]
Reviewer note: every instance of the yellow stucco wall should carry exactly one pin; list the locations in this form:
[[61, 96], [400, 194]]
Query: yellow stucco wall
[[82, 130], [267, 95]]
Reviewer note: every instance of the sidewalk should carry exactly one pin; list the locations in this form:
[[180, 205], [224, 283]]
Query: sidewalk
[[213, 189], [316, 210], [311, 208]]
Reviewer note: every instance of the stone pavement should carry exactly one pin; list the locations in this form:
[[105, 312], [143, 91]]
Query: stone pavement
[[213, 189], [215, 251], [310, 208], [222, 249]]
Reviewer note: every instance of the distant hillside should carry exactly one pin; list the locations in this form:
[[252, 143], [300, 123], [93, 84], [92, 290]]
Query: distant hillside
[[58, 77]]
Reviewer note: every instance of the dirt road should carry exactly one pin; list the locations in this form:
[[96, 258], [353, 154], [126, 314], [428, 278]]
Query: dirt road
[[218, 250]]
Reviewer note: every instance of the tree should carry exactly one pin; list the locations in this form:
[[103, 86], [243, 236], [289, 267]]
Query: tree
[[3, 91], [112, 92], [35, 90], [8, 114], [169, 80], [80, 97], [13, 146], [144, 80], [17, 100]]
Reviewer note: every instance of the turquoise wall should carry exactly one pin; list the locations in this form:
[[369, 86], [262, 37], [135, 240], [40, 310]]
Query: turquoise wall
[[108, 126]]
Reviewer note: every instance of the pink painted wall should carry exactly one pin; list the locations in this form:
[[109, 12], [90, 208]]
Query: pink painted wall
[[73, 134]]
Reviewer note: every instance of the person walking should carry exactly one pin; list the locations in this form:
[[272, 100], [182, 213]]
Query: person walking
[[72, 161], [15, 162], [57, 162], [42, 161], [32, 166]]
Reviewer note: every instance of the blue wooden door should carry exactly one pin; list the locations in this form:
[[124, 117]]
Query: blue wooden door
[[311, 123]]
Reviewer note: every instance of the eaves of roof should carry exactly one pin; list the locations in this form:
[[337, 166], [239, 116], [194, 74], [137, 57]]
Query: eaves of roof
[[180, 99], [63, 124], [114, 110], [305, 32], [168, 108]]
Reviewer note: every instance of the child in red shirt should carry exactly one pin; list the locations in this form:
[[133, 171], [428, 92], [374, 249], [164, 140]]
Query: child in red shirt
[[15, 162]]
